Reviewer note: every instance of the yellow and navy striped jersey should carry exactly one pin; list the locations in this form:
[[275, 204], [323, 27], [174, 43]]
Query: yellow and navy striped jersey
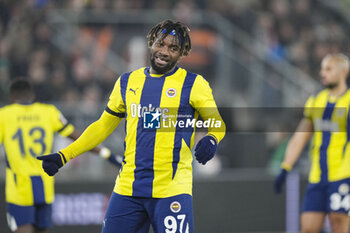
[[330, 154], [27, 131], [158, 162]]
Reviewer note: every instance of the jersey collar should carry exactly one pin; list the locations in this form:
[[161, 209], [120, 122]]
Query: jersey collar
[[146, 71]]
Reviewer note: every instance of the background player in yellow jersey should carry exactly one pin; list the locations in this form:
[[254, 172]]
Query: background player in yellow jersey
[[154, 186], [326, 118], [27, 130]]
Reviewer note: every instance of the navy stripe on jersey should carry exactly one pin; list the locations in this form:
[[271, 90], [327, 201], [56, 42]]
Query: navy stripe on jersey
[[117, 114], [185, 110], [124, 78], [326, 138], [185, 100], [38, 190], [6, 160], [145, 139]]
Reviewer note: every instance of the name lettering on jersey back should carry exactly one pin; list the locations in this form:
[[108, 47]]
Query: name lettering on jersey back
[[28, 118]]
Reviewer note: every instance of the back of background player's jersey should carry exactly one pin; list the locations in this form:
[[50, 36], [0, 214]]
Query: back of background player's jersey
[[27, 131]]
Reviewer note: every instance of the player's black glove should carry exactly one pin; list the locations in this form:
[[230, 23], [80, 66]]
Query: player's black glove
[[112, 158], [205, 149], [279, 181], [52, 162]]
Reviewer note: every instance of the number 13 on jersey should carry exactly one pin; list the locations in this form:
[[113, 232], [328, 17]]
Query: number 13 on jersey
[[30, 139]]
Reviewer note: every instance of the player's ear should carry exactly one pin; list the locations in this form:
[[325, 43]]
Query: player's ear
[[150, 43], [346, 73]]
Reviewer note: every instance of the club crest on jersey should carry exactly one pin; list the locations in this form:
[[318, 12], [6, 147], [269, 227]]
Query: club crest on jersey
[[340, 112], [171, 92], [175, 207]]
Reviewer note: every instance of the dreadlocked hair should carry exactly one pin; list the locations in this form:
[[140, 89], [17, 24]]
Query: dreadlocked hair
[[167, 26]]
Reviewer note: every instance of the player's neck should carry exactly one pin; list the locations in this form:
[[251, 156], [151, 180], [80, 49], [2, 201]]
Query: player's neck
[[338, 90], [153, 71]]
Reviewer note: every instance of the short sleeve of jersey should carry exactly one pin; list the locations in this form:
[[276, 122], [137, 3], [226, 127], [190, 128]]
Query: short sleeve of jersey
[[201, 94], [60, 123], [115, 105], [308, 107]]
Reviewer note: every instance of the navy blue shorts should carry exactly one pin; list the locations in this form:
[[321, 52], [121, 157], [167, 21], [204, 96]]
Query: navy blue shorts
[[328, 197], [135, 215], [38, 215]]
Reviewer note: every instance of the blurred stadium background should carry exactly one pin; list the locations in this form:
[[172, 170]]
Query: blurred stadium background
[[255, 53]]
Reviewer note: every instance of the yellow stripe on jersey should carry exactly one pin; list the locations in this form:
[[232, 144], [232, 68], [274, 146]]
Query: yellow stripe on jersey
[[330, 120], [27, 131]]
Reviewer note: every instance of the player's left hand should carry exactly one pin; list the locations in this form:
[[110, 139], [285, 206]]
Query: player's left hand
[[205, 149], [279, 181], [52, 162]]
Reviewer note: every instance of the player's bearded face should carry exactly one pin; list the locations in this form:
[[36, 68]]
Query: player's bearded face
[[165, 54], [330, 74]]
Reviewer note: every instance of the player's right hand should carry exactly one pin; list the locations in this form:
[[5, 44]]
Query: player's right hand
[[52, 162], [279, 181]]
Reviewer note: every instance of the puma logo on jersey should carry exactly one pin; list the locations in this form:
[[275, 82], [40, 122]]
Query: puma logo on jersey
[[132, 90]]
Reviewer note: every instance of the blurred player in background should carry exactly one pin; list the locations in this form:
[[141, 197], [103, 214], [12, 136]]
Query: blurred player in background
[[154, 186], [27, 130], [326, 117]]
